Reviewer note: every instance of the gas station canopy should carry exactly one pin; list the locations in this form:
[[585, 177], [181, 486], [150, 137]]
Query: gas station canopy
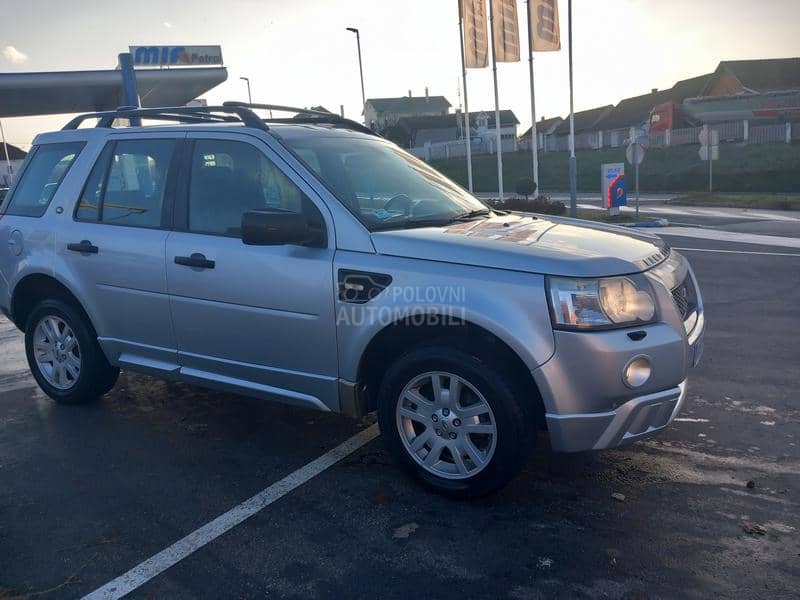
[[29, 94]]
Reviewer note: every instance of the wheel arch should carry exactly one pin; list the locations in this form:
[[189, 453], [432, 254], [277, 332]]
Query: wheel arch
[[400, 336], [35, 287]]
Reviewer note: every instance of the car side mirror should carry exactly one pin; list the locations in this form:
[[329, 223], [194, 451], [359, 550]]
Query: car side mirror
[[274, 228]]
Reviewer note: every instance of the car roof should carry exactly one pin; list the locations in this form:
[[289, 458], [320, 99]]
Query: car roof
[[282, 129], [305, 122]]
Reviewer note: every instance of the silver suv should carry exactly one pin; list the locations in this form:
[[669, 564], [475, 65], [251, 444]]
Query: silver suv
[[308, 261]]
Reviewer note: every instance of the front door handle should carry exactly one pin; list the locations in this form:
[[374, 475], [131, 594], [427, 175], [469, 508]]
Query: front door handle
[[84, 247], [195, 260]]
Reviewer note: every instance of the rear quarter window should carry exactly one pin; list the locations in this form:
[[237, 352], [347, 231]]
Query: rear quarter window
[[43, 173]]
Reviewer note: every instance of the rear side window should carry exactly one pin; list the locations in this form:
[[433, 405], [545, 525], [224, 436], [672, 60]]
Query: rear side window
[[43, 174], [128, 183]]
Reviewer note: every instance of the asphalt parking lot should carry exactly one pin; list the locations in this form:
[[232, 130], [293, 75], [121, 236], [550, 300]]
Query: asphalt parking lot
[[88, 493]]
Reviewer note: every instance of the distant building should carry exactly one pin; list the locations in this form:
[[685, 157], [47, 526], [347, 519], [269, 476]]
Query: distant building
[[415, 132], [585, 120], [9, 169], [381, 113], [754, 77], [544, 130], [483, 124], [738, 90], [635, 112]]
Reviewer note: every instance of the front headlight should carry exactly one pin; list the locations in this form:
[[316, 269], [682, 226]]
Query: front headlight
[[600, 303]]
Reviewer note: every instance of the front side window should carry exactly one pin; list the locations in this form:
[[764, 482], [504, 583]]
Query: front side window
[[127, 184], [384, 187], [230, 178], [44, 172]]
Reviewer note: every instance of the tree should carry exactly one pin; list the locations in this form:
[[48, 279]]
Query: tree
[[525, 187]]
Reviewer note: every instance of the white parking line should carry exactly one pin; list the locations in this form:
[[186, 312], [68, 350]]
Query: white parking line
[[797, 254], [730, 236], [692, 211], [145, 571]]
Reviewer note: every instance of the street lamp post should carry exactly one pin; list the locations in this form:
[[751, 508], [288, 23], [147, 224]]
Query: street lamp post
[[573, 162], [249, 96], [361, 72]]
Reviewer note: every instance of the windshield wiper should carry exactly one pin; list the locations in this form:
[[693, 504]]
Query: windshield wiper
[[411, 223], [430, 221], [481, 212]]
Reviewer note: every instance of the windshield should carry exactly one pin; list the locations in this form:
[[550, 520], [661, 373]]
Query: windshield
[[385, 187]]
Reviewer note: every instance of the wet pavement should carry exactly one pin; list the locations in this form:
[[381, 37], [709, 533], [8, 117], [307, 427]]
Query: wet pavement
[[87, 493]]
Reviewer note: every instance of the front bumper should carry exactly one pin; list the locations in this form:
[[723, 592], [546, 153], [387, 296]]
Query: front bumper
[[587, 404], [637, 418]]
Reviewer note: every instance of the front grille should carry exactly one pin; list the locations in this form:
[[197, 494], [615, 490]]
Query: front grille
[[679, 295], [685, 298]]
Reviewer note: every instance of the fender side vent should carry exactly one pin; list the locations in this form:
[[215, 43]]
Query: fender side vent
[[359, 287]]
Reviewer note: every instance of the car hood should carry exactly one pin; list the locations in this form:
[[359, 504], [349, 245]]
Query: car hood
[[548, 245]]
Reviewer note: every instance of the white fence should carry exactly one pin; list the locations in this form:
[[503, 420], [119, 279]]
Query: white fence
[[729, 132], [770, 134], [457, 148]]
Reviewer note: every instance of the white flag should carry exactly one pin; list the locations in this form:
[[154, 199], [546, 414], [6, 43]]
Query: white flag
[[506, 31], [476, 33], [543, 28]]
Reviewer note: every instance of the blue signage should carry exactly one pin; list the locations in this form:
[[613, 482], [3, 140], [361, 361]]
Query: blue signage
[[176, 55], [617, 192]]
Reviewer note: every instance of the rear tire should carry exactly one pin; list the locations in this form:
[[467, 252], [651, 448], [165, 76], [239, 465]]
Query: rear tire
[[64, 355], [474, 421]]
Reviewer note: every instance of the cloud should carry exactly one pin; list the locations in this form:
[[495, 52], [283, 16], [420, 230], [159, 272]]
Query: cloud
[[14, 56], [167, 24]]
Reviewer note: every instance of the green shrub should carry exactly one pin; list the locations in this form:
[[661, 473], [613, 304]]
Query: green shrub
[[540, 204], [525, 187]]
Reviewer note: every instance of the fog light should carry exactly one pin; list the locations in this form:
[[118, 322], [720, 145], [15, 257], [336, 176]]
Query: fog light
[[637, 371]]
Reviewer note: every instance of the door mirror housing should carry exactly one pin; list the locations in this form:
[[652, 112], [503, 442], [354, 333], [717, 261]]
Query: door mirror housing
[[274, 228]]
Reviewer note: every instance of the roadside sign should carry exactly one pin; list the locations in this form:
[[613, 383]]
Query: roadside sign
[[608, 173], [617, 193], [709, 135], [635, 153], [704, 152], [639, 136], [703, 137]]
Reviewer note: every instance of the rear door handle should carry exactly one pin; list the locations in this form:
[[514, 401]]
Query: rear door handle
[[195, 260], [84, 247]]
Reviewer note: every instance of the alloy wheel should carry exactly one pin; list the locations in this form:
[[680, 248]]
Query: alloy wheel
[[446, 425], [57, 352]]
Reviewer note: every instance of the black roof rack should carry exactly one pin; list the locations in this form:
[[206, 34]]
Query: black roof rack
[[229, 112], [282, 108], [304, 115], [182, 114]]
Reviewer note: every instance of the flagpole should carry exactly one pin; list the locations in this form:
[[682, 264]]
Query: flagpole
[[534, 137], [496, 105], [573, 163], [467, 129]]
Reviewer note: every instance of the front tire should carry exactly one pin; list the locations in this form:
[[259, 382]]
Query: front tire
[[452, 419], [64, 356]]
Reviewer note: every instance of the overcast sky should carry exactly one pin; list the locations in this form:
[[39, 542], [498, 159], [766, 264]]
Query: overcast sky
[[297, 52]]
